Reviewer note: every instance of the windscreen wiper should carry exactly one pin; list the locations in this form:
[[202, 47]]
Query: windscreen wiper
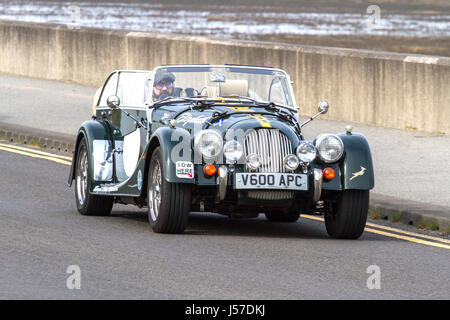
[[169, 100], [200, 105], [261, 103], [278, 113]]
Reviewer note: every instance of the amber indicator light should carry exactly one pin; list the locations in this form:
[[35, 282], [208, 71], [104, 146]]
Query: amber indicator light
[[329, 174], [209, 169]]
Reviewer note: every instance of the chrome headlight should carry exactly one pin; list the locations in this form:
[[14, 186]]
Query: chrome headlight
[[306, 152], [291, 162], [209, 143], [233, 151], [329, 147]]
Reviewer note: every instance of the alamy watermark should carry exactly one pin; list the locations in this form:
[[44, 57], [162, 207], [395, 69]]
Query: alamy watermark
[[374, 280], [74, 280], [373, 20]]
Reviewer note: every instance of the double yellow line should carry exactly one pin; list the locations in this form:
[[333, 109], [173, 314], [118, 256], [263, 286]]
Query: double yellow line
[[399, 234], [36, 154]]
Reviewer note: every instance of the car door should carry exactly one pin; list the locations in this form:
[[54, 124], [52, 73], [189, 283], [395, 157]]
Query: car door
[[129, 138], [103, 148]]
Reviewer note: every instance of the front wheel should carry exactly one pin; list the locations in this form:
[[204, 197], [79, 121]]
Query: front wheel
[[88, 204], [348, 215], [168, 203]]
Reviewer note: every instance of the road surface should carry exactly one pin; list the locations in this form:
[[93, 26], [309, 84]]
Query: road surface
[[42, 234]]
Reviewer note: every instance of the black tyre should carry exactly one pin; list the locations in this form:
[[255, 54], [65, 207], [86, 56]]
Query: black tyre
[[168, 203], [347, 217], [278, 216], [88, 204]]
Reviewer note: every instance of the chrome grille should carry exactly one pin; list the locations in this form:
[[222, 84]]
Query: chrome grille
[[271, 146]]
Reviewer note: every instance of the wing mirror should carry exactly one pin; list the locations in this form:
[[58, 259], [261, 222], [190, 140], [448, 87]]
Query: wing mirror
[[322, 109], [113, 102]]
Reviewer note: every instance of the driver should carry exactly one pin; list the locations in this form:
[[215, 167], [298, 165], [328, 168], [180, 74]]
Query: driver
[[163, 85]]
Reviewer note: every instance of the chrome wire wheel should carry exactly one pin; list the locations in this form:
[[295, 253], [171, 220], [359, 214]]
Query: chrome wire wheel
[[168, 202], [82, 176], [88, 204], [154, 192]]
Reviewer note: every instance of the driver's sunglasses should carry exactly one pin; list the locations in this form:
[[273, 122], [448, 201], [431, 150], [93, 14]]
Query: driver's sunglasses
[[167, 84]]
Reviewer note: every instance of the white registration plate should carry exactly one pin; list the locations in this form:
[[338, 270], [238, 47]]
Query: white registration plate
[[291, 181]]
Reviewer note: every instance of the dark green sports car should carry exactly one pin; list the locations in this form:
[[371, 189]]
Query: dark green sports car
[[224, 139]]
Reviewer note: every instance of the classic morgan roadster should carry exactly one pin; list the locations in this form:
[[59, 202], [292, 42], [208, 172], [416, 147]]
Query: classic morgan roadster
[[216, 138]]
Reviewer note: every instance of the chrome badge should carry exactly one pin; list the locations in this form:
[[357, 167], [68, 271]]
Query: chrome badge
[[359, 173]]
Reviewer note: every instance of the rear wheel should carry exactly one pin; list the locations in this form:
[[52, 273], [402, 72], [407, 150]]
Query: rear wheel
[[278, 216], [168, 203], [348, 215], [88, 204]]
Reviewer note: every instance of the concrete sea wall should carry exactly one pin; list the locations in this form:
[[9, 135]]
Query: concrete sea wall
[[379, 88]]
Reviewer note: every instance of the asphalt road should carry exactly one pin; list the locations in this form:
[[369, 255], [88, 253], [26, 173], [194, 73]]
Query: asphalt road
[[41, 234]]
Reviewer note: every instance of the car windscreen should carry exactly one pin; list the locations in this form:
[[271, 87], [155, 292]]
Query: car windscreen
[[130, 88], [204, 81]]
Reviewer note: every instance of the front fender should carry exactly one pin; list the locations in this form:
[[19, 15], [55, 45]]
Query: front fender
[[356, 167], [90, 130], [175, 146]]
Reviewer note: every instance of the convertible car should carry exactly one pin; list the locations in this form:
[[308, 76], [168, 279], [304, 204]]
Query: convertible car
[[225, 139]]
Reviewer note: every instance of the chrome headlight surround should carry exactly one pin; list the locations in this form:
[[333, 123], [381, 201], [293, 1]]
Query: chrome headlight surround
[[253, 162], [233, 151], [291, 162], [330, 147], [306, 152], [208, 143]]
